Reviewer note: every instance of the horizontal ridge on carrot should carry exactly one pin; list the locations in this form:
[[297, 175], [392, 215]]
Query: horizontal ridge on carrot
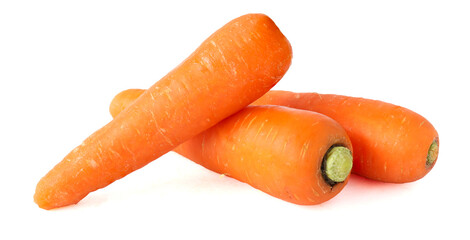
[[295, 155], [233, 67], [391, 143]]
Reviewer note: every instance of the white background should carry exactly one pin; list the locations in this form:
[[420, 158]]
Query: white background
[[61, 63]]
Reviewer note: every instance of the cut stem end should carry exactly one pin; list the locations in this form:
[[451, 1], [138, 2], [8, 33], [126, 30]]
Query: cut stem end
[[337, 164], [432, 153]]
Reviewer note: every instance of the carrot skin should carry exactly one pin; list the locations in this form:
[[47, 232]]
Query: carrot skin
[[233, 67], [275, 149], [390, 142]]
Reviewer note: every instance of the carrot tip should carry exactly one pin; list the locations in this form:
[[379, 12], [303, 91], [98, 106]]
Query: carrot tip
[[432, 153], [338, 163]]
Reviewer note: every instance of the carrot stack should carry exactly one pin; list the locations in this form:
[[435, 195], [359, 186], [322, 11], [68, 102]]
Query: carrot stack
[[298, 147], [391, 143]]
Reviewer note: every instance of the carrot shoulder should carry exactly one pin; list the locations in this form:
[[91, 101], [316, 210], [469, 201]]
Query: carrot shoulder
[[233, 67], [391, 143]]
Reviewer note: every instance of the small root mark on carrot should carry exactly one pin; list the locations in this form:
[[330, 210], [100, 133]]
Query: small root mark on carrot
[[114, 152], [403, 120], [207, 63], [245, 118], [311, 200], [295, 196], [203, 144], [125, 147], [185, 85], [100, 148], [274, 137], [269, 132], [222, 55], [79, 172], [261, 127], [304, 150], [315, 192], [421, 124], [249, 124], [268, 189], [248, 177], [319, 96], [284, 147], [93, 163], [167, 93], [160, 130]]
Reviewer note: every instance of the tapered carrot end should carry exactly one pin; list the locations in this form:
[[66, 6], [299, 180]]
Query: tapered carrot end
[[55, 190], [50, 201], [124, 99], [41, 203], [40, 198]]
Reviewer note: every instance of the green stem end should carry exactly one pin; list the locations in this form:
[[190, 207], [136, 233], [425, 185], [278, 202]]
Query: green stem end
[[432, 153], [337, 164]]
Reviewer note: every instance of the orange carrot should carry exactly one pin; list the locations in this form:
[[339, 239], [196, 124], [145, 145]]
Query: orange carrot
[[391, 143], [299, 156], [233, 67]]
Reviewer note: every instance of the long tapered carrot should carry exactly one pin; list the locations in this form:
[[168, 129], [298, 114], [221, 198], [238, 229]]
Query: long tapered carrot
[[391, 143], [299, 156], [233, 67]]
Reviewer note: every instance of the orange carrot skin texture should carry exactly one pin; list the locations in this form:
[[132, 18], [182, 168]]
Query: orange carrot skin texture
[[390, 142], [275, 149], [233, 67]]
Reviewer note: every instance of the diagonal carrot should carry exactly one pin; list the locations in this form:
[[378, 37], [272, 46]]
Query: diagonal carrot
[[232, 68]]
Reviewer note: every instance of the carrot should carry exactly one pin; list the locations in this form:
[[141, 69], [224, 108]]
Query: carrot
[[233, 67], [391, 143], [295, 155]]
